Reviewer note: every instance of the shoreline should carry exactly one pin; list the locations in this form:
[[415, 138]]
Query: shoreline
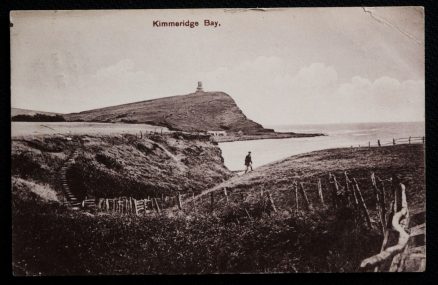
[[276, 135]]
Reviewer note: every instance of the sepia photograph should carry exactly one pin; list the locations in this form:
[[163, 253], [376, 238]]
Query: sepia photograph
[[218, 141]]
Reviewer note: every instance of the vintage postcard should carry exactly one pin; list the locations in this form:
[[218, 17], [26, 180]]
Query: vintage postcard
[[199, 141]]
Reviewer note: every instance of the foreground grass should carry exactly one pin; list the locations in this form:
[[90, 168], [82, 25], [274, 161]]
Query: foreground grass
[[51, 240]]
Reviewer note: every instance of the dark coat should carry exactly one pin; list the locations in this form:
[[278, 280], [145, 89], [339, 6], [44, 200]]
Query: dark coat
[[248, 159]]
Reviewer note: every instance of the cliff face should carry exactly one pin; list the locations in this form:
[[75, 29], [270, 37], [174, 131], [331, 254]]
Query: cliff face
[[200, 111]]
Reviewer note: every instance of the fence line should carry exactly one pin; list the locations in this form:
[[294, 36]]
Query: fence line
[[396, 141], [129, 205], [335, 193]]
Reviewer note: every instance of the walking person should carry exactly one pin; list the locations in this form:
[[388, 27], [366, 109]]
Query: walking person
[[248, 162]]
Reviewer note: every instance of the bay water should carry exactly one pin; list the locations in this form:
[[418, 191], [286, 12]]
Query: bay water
[[337, 135]]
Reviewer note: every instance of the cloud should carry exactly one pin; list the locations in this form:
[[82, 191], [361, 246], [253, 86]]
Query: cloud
[[267, 88], [270, 93]]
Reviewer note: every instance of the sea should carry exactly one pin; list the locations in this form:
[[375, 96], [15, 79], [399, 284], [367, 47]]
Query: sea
[[337, 136]]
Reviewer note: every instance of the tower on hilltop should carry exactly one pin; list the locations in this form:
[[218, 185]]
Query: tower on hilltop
[[199, 88]]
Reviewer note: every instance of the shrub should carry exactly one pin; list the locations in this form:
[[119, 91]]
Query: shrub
[[108, 161]]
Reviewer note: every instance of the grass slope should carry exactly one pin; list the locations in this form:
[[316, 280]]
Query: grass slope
[[201, 111], [122, 165], [406, 161], [51, 240]]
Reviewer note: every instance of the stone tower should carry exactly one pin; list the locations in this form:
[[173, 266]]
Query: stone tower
[[199, 88]]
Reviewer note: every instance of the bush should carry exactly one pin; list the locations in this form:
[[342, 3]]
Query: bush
[[108, 161]]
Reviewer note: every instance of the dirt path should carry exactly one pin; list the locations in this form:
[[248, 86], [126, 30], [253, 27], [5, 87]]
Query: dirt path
[[226, 184], [181, 166]]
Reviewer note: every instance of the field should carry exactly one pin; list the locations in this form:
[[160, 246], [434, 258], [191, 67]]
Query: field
[[241, 235], [20, 129]]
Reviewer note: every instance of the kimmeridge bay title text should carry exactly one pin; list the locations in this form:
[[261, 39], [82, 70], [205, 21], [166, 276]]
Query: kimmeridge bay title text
[[186, 23]]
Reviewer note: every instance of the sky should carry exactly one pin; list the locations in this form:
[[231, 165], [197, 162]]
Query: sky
[[281, 66]]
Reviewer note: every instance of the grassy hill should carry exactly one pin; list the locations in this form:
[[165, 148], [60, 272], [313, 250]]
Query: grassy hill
[[121, 165], [200, 111], [241, 235], [404, 161], [18, 111]]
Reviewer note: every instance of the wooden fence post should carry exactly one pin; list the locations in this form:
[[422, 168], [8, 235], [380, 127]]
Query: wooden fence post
[[383, 200], [356, 200], [99, 204], [271, 201], [393, 141], [303, 191], [226, 194], [364, 206], [130, 206], [296, 194], [334, 191], [246, 211], [145, 206], [128, 201], [157, 206], [409, 140], [378, 143], [179, 201], [369, 145], [378, 203], [350, 194], [321, 197], [135, 207]]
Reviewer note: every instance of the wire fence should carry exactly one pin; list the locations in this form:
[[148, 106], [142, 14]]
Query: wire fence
[[396, 141]]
